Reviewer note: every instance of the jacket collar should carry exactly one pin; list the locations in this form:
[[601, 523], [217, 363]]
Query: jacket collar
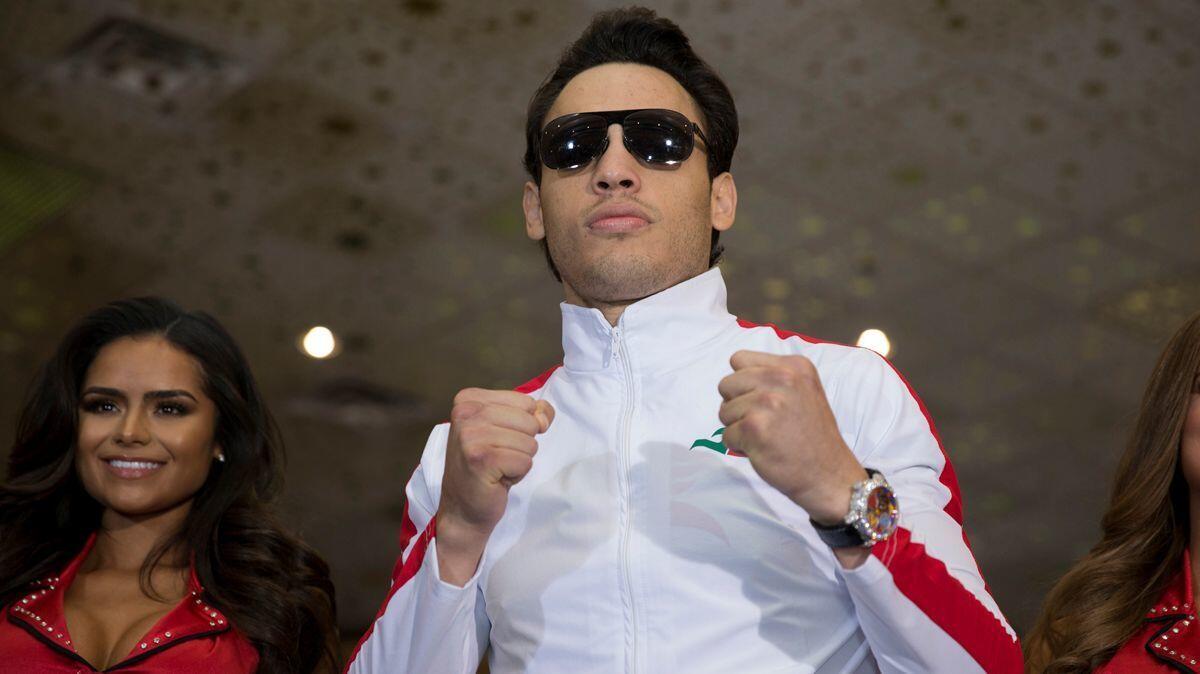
[[41, 611], [1178, 640], [658, 331]]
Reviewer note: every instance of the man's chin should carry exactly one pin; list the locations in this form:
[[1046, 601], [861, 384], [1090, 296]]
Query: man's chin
[[624, 281]]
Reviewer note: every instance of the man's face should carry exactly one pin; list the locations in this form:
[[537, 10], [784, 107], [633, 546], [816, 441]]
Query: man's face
[[617, 228]]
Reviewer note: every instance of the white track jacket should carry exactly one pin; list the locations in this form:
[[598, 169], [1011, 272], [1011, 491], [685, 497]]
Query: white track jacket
[[635, 545]]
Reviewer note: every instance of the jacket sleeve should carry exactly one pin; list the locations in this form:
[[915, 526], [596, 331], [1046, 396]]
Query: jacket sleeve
[[920, 597], [425, 624]]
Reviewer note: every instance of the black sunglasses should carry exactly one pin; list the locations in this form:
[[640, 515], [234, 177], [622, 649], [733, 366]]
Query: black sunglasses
[[655, 136]]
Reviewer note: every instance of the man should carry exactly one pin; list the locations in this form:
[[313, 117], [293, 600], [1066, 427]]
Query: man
[[688, 492]]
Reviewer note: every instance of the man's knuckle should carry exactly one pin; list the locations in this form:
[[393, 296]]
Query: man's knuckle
[[522, 466], [788, 376], [724, 415], [475, 456], [770, 400], [522, 443], [803, 366], [462, 411], [471, 434]]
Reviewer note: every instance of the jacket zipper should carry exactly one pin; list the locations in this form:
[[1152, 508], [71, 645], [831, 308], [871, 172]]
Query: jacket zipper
[[626, 429]]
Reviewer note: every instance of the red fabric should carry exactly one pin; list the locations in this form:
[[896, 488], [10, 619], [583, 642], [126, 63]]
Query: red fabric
[[928, 584], [537, 382], [1169, 640], [407, 531], [194, 638], [406, 568], [925, 580]]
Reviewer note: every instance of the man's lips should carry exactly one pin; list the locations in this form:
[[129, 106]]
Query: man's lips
[[617, 219]]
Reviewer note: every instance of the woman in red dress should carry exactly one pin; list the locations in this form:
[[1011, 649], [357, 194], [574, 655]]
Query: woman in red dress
[[135, 519], [1127, 607]]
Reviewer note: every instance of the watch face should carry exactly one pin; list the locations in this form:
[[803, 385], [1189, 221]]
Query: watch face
[[882, 512]]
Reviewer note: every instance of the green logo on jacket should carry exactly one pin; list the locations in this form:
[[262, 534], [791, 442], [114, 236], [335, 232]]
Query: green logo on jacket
[[716, 443]]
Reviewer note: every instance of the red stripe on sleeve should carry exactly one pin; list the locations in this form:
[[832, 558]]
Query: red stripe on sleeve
[[406, 568], [928, 583], [947, 477], [407, 530], [924, 579]]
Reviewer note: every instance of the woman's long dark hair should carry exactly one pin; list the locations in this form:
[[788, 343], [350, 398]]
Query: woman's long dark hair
[[1100, 603], [275, 588]]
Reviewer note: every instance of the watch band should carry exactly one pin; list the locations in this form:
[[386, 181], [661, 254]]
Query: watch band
[[840, 535]]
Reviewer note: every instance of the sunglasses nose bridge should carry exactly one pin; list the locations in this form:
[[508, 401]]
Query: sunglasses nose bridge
[[616, 137], [607, 142], [615, 167]]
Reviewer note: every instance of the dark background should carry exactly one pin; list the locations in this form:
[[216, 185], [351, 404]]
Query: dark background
[[1009, 189]]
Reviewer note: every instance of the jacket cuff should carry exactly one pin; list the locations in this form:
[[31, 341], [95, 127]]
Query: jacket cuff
[[443, 590]]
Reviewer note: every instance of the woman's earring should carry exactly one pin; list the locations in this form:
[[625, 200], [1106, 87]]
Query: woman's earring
[[221, 457]]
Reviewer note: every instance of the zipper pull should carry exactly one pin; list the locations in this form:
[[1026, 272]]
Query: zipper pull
[[615, 347]]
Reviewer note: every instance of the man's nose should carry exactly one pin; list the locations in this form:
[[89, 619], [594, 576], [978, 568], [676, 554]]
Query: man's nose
[[616, 170]]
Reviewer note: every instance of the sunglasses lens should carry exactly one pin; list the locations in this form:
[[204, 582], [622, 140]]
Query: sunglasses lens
[[658, 136], [572, 141]]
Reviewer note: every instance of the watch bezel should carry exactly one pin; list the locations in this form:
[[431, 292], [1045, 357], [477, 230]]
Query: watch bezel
[[860, 500]]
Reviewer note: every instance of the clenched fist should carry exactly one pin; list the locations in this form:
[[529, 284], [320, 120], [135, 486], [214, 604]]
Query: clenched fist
[[491, 447], [776, 413]]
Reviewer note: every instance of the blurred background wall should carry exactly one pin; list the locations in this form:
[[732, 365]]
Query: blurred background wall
[[1008, 189]]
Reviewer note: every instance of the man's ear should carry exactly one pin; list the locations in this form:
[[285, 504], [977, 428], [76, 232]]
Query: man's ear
[[723, 202], [531, 203]]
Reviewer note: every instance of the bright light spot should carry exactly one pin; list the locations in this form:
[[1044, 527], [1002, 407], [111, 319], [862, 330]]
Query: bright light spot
[[319, 342], [876, 341], [669, 142]]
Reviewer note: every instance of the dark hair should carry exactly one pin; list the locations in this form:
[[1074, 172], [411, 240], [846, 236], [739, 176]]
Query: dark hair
[[274, 587], [1101, 602], [638, 35]]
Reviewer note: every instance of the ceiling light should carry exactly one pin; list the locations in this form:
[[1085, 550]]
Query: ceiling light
[[875, 340], [319, 342]]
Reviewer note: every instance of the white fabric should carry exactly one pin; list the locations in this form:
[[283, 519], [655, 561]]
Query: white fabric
[[624, 550]]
